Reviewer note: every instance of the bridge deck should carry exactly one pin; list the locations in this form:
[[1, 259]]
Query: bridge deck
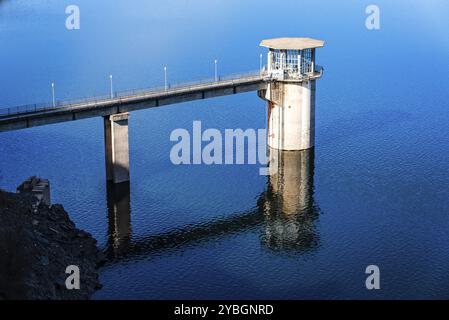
[[36, 115]]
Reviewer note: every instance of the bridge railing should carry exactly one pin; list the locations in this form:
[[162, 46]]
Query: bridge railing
[[187, 85], [60, 104]]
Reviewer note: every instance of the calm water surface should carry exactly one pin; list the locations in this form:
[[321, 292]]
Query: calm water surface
[[374, 191]]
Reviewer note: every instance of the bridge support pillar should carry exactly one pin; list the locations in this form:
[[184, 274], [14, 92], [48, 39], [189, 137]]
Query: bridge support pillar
[[116, 147], [291, 114]]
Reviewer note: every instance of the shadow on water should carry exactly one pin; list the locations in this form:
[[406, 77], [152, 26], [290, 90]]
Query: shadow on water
[[285, 212]]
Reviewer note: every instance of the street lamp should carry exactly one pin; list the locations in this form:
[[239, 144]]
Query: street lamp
[[165, 78], [112, 91], [216, 71], [53, 94], [261, 63]]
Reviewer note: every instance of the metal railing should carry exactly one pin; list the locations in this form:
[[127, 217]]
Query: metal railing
[[129, 94], [286, 75]]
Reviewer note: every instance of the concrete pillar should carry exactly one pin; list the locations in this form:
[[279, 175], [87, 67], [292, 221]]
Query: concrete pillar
[[116, 147], [291, 115]]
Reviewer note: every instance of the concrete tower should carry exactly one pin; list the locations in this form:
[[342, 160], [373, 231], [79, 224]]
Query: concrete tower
[[291, 72]]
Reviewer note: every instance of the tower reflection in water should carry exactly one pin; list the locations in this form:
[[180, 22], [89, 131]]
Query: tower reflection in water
[[285, 212], [288, 203]]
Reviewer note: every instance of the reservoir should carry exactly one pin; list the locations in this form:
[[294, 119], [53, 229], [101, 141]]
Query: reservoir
[[373, 191]]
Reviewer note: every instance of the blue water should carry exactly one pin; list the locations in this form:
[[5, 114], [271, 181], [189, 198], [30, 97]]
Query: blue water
[[377, 182]]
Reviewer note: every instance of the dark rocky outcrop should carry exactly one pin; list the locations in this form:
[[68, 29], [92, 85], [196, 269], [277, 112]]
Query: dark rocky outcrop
[[37, 243]]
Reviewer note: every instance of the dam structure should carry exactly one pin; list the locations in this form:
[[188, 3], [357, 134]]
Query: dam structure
[[287, 83]]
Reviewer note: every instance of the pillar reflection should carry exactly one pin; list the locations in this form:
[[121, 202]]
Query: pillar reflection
[[119, 211], [286, 213], [288, 203]]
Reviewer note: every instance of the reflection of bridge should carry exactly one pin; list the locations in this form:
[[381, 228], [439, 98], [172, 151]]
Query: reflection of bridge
[[285, 212]]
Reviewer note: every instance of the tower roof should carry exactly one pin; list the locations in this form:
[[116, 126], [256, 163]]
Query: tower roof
[[292, 43]]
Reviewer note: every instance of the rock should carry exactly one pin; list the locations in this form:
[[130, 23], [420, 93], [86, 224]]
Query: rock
[[45, 261], [53, 230], [60, 283], [36, 249]]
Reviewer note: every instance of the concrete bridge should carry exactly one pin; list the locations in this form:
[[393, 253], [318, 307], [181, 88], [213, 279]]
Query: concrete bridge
[[28, 116], [115, 112], [288, 84]]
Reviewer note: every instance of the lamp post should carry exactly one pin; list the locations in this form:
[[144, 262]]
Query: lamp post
[[216, 71], [112, 91], [165, 78], [260, 63], [53, 94]]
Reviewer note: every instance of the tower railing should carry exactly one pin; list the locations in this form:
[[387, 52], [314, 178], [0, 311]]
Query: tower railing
[[294, 75]]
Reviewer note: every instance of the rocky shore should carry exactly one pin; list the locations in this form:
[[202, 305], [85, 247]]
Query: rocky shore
[[37, 243]]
